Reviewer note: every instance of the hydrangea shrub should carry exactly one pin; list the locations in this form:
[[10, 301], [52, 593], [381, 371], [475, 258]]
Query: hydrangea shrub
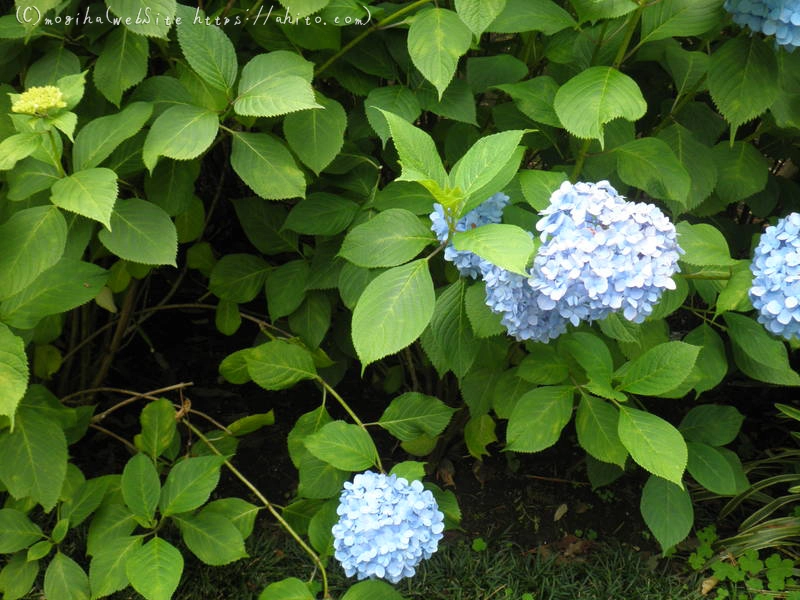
[[593, 204]]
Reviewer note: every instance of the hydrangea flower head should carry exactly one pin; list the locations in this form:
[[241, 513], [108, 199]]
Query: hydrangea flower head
[[602, 254], [775, 292], [39, 100], [490, 211], [386, 526], [780, 18]]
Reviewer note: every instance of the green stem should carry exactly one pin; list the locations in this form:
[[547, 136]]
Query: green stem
[[356, 40], [633, 21], [308, 550], [576, 170]]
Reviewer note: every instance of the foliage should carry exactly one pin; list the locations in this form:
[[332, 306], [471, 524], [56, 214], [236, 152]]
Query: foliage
[[131, 133]]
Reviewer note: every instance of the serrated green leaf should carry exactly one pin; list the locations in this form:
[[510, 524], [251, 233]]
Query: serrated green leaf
[[479, 14], [388, 239], [107, 569], [531, 15], [696, 160], [484, 322], [141, 232], [538, 418], [262, 223], [414, 414], [207, 50], [534, 98], [17, 147], [122, 63], [371, 590], [189, 484], [29, 177], [393, 311], [321, 214], [154, 569], [99, 137], [141, 487], [343, 445], [711, 469], [396, 99], [140, 17], [712, 362], [667, 510], [650, 165], [275, 84], [212, 538], [266, 166], [17, 531], [419, 157], [653, 443], [316, 136], [596, 426], [158, 427], [479, 432], [286, 288], [238, 277], [659, 369], [64, 578], [538, 186], [593, 10], [90, 193], [484, 161], [484, 72], [290, 588], [596, 96], [686, 67], [543, 366], [742, 170], [757, 354], [450, 325], [278, 364], [457, 102], [318, 479], [312, 319], [437, 38], [712, 424], [703, 245], [18, 575], [507, 246], [181, 132], [13, 372]]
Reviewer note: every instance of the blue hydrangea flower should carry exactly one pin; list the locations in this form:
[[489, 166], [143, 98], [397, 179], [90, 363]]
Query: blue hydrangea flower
[[775, 292], [602, 254], [780, 18], [386, 527], [490, 211]]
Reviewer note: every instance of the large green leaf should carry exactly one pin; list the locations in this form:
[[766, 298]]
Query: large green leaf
[[279, 364], [181, 132], [262, 224], [18, 575], [679, 18], [158, 427], [479, 14], [667, 510], [13, 371], [17, 531], [711, 469], [316, 136], [189, 484], [393, 311], [531, 15], [538, 418], [99, 137], [266, 166], [757, 354], [275, 84], [344, 446], [596, 96], [321, 214], [141, 232], [653, 443], [703, 245], [534, 98], [140, 17], [33, 458], [419, 157], [712, 424], [451, 327], [396, 99], [112, 522], [390, 238], [712, 362], [743, 78], [65, 579], [171, 185], [484, 161], [239, 512], [286, 288], [696, 160], [593, 10], [207, 50], [31, 241], [507, 246], [91, 193], [122, 63], [319, 479], [742, 170], [17, 147], [659, 369], [154, 569], [290, 588], [238, 277], [371, 590], [437, 38], [141, 487], [29, 177], [596, 425], [414, 414], [212, 538], [107, 569], [650, 165]]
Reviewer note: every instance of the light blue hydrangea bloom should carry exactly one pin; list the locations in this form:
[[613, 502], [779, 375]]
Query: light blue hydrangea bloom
[[490, 211], [780, 18], [602, 254], [775, 292], [386, 527]]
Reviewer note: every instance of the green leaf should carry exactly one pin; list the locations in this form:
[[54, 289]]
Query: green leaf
[[596, 96], [479, 14], [538, 186], [141, 487], [31, 241], [344, 446], [413, 414], [207, 50], [239, 512], [437, 38], [712, 362], [181, 132], [742, 170], [18, 575], [65, 579], [543, 365], [212, 538], [653, 443], [318, 479], [410, 470], [734, 296], [227, 317], [141, 232], [507, 246], [596, 425], [450, 325], [99, 137], [171, 185], [659, 369], [238, 277], [262, 222], [419, 157], [13, 372], [29, 177], [743, 79], [687, 68], [316, 136], [140, 17], [278, 365], [17, 147], [483, 161], [312, 319], [64, 286], [711, 469], [275, 84], [266, 166], [371, 590], [531, 15], [703, 245], [189, 484], [85, 500], [154, 569], [484, 322], [697, 162], [320, 526], [122, 63], [390, 238], [306, 424], [17, 531], [286, 288], [679, 18], [712, 424], [479, 432], [594, 10], [158, 427], [290, 588], [321, 214], [650, 165], [534, 98], [112, 521], [538, 418], [91, 193], [107, 569], [757, 354], [396, 99], [484, 72], [393, 311], [667, 510]]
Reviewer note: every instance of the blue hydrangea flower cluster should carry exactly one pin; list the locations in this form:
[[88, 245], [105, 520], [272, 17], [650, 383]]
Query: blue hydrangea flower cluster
[[386, 526], [775, 292], [602, 254], [780, 18], [490, 211]]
